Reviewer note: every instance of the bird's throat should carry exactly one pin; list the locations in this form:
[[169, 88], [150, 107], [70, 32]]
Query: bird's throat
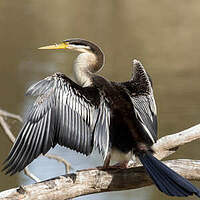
[[84, 68]]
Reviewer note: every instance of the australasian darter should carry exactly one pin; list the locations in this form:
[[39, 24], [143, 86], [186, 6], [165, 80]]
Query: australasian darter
[[117, 118]]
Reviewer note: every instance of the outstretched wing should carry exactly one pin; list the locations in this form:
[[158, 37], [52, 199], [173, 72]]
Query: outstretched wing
[[140, 91], [64, 113]]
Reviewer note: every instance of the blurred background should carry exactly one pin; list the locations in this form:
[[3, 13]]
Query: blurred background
[[163, 35]]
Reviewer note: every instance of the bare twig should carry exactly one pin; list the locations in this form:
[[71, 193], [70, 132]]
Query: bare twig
[[60, 159], [7, 129], [4, 113], [31, 175]]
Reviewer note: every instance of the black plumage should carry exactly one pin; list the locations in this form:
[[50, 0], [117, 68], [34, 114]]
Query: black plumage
[[118, 118], [165, 178]]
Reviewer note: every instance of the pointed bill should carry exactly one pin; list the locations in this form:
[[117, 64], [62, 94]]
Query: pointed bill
[[63, 45]]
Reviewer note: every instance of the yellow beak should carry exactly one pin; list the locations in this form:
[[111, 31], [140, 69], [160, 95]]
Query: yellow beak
[[62, 45]]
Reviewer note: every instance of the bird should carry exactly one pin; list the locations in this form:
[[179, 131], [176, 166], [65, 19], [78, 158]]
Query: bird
[[117, 118]]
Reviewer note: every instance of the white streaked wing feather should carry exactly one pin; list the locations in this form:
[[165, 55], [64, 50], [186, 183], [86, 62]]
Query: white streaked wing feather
[[145, 115], [61, 114]]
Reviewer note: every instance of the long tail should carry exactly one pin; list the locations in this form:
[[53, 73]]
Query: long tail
[[167, 180]]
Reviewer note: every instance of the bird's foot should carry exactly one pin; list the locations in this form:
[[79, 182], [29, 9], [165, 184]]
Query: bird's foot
[[120, 165]]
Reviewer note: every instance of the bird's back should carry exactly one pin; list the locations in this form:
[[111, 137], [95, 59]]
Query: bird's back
[[125, 130]]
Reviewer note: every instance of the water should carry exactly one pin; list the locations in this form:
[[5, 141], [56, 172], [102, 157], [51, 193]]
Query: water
[[163, 36]]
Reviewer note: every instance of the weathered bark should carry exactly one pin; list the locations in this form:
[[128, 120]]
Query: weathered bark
[[168, 145], [94, 181]]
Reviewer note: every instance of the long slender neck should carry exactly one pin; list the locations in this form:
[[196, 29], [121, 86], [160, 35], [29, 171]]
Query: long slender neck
[[86, 65]]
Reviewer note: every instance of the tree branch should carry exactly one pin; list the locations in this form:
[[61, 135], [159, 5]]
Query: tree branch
[[95, 181], [168, 145]]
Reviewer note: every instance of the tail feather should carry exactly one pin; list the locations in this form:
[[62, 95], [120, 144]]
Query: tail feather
[[157, 178], [167, 180]]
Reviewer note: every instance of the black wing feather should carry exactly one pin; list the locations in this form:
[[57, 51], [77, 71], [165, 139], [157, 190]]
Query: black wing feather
[[64, 113], [140, 92]]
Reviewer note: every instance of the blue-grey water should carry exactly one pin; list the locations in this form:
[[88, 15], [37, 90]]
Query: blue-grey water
[[164, 35]]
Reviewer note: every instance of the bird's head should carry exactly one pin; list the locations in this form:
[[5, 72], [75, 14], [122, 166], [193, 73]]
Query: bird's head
[[76, 44], [91, 58]]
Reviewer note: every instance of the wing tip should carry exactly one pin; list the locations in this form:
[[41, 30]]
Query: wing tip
[[136, 62]]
